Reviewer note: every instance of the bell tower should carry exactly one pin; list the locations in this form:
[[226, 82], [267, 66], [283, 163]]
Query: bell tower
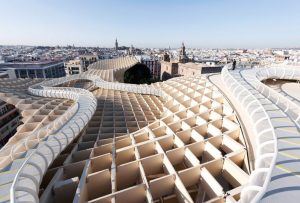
[[182, 55], [116, 44], [183, 49]]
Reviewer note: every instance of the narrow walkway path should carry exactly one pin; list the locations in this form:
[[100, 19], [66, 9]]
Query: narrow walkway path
[[285, 175], [290, 90]]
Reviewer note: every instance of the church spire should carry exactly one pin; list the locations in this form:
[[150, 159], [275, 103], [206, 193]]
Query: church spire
[[182, 56], [116, 44], [183, 49]]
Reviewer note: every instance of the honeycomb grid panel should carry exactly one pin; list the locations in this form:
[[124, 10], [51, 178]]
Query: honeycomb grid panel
[[36, 113], [141, 148]]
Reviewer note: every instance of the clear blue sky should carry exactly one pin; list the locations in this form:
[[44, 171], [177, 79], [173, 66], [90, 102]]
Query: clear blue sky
[[152, 23]]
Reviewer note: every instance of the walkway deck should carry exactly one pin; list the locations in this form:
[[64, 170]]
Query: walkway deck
[[285, 177], [291, 90]]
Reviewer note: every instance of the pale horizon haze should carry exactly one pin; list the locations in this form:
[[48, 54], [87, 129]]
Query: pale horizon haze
[[155, 23]]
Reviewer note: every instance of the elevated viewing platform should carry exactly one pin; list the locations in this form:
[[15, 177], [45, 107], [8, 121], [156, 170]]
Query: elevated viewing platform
[[229, 137], [275, 117]]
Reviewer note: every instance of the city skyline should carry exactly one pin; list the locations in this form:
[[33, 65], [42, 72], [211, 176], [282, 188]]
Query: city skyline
[[207, 24], [173, 101]]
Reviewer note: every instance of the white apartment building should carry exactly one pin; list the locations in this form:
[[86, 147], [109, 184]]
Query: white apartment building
[[75, 67]]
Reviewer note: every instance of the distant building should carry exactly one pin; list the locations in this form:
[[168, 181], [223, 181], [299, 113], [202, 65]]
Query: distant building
[[116, 45], [9, 121], [281, 58], [7, 74], [169, 68], [1, 59], [183, 58], [75, 67], [80, 64], [48, 69], [154, 66], [209, 62], [88, 59], [182, 67], [131, 50], [189, 69], [166, 57]]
